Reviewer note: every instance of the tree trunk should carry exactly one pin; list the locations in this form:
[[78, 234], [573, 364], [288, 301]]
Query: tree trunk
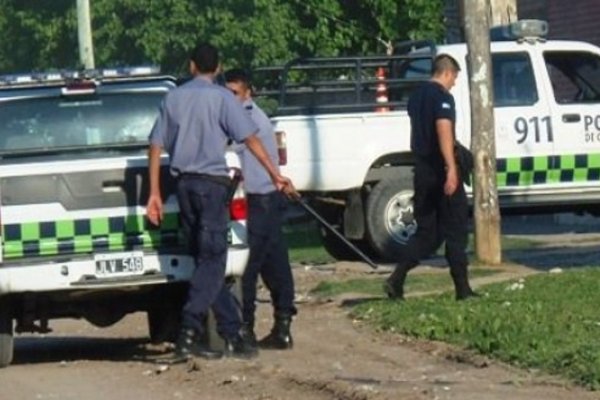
[[486, 209], [503, 12]]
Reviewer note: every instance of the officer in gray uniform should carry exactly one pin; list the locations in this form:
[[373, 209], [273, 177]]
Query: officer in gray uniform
[[266, 209], [195, 123]]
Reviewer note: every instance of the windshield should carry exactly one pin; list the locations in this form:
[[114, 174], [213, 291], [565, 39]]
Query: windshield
[[77, 123]]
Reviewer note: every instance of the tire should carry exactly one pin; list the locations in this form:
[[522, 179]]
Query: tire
[[6, 335], [163, 323], [389, 217], [164, 315], [334, 245]]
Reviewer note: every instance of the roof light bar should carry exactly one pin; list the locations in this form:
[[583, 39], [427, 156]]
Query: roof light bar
[[66, 75], [525, 29]]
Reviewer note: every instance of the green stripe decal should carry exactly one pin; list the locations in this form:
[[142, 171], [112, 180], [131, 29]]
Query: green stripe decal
[[67, 237], [528, 171]]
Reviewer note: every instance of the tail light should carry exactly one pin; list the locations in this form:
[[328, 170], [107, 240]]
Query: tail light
[[238, 209], [281, 147]]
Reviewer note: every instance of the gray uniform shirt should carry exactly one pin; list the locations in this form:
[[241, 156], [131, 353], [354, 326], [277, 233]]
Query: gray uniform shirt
[[195, 122], [256, 178]]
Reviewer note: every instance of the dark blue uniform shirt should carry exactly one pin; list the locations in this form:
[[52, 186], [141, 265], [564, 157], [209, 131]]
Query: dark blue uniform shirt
[[428, 103]]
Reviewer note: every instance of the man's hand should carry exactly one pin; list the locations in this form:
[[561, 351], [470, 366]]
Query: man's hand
[[452, 181], [154, 209], [284, 184]]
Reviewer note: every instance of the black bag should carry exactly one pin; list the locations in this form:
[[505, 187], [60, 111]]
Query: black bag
[[464, 159]]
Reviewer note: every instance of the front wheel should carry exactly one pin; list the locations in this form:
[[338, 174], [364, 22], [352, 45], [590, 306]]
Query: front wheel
[[6, 334], [390, 217]]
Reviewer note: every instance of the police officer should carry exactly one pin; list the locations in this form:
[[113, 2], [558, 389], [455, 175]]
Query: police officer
[[266, 208], [440, 202], [195, 123]]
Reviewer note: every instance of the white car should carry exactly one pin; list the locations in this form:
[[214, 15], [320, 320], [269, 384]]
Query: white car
[[73, 188]]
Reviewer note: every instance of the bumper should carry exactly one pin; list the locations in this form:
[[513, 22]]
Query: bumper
[[81, 274]]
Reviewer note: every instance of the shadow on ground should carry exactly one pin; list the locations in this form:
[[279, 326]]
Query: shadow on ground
[[37, 350]]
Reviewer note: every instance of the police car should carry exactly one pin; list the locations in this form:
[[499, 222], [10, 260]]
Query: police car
[[345, 134], [73, 185]]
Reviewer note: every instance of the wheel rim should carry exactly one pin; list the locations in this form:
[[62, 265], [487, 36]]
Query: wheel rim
[[399, 218]]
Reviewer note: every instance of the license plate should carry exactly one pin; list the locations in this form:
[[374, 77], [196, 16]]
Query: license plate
[[119, 264]]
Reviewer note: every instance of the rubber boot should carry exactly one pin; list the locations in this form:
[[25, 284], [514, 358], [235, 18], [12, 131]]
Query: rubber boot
[[280, 336], [394, 285]]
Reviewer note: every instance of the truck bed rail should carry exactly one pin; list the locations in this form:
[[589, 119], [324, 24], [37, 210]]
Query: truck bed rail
[[327, 85]]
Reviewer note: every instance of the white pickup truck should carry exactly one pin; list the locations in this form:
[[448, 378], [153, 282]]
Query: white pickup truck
[[351, 153]]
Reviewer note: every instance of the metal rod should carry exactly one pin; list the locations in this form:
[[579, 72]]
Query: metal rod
[[336, 233]]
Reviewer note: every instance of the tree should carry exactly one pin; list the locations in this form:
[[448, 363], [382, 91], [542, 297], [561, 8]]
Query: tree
[[42, 34]]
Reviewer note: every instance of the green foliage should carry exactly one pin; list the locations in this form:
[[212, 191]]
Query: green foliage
[[42, 34], [414, 283], [551, 323]]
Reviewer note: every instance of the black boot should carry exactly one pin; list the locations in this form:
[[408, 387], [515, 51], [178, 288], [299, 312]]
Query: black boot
[[189, 345], [238, 347], [462, 288], [248, 334], [280, 336], [394, 285]]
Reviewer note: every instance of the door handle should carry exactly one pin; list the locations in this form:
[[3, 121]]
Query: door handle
[[113, 186], [571, 117]]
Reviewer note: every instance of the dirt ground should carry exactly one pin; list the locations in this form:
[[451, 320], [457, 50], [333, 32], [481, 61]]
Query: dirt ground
[[334, 357]]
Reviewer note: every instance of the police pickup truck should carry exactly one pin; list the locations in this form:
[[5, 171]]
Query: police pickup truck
[[344, 132], [73, 185]]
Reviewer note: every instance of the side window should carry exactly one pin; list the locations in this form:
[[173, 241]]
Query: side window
[[514, 82], [575, 76]]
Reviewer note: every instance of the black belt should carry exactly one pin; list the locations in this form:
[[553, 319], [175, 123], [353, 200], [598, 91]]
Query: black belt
[[220, 179], [262, 195]]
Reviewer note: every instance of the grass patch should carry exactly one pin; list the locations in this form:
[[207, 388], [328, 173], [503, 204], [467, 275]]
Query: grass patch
[[304, 242], [305, 245], [551, 324], [414, 283]]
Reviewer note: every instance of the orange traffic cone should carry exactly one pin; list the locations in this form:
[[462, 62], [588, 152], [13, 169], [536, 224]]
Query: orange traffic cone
[[381, 94]]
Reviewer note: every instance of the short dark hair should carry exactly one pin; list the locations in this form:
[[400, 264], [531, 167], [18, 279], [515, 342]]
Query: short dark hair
[[444, 62], [206, 57], [238, 75]]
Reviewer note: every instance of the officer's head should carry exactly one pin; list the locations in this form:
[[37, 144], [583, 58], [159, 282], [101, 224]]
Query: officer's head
[[238, 81], [445, 70], [204, 60]]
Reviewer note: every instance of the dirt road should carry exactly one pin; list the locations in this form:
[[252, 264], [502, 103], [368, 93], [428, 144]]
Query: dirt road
[[334, 358]]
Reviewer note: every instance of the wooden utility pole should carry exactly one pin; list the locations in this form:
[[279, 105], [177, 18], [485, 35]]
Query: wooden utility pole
[[486, 209], [503, 12], [84, 33]]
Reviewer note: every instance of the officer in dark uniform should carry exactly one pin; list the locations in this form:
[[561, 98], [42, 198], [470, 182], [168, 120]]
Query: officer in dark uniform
[[266, 208], [196, 121], [440, 202]]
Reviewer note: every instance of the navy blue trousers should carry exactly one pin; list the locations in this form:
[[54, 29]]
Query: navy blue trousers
[[440, 219], [268, 256], [204, 218]]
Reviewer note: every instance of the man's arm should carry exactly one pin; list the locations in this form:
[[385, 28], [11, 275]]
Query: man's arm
[[255, 146], [446, 141], [154, 208]]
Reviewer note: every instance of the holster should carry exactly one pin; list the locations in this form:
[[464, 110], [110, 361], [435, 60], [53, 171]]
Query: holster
[[464, 160]]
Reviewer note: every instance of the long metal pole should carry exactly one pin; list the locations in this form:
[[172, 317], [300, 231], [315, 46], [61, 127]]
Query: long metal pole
[[84, 33], [326, 224]]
